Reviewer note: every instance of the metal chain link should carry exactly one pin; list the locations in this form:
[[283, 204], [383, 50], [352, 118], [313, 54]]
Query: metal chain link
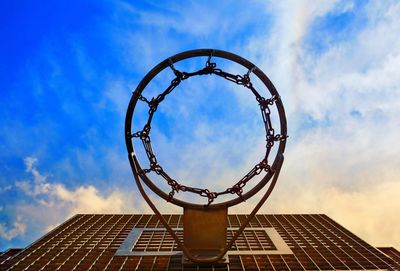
[[210, 68]]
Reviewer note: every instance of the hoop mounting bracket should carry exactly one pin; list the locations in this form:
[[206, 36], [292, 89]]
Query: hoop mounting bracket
[[204, 232]]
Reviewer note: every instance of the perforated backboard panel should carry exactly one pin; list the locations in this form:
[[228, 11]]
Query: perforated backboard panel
[[158, 242], [271, 242]]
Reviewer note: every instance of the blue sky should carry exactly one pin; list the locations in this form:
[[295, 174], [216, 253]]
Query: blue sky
[[68, 68]]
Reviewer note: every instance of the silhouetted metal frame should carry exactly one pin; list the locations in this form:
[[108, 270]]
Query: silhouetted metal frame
[[212, 259], [140, 176], [165, 64]]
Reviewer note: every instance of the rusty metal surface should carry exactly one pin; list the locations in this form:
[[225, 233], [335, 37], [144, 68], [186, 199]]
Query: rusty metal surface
[[205, 231], [89, 242]]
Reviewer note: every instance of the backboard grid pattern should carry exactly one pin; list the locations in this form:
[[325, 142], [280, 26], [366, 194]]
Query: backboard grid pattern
[[392, 253], [151, 240], [89, 242], [156, 241]]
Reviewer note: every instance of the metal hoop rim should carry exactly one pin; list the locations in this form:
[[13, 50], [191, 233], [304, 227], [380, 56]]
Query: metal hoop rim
[[136, 168]]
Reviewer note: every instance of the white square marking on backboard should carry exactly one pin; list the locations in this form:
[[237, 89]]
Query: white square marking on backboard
[[126, 248]]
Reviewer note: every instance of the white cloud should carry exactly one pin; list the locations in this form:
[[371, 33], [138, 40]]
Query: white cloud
[[39, 185], [88, 200], [54, 202], [345, 163], [196, 19], [18, 228]]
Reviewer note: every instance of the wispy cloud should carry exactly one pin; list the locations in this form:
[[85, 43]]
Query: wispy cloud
[[18, 228], [342, 107], [53, 202]]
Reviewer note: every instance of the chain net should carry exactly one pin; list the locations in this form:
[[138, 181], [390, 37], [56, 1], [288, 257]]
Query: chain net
[[154, 102]]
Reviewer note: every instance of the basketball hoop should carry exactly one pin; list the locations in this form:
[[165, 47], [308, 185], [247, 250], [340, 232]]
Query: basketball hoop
[[205, 224]]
